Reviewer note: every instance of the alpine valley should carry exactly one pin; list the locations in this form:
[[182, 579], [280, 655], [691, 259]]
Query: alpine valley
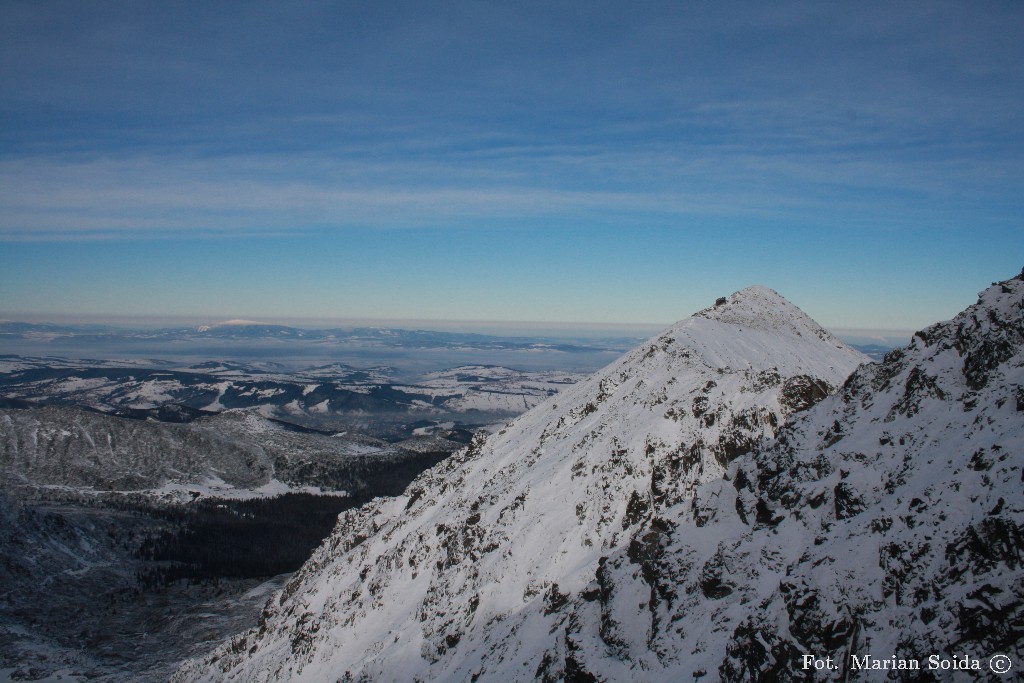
[[148, 507], [720, 502]]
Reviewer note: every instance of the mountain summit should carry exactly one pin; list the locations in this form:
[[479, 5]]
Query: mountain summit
[[474, 570], [759, 307]]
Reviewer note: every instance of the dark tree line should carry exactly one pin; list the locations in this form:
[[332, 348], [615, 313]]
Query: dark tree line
[[210, 539], [361, 474], [217, 538]]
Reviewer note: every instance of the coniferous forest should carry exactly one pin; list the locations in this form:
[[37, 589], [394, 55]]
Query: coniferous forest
[[238, 539]]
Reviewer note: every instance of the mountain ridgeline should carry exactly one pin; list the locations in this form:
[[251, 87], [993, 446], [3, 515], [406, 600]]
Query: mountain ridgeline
[[644, 525], [73, 447], [546, 551]]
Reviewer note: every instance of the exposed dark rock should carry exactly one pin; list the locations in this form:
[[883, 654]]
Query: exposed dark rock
[[847, 501], [803, 391]]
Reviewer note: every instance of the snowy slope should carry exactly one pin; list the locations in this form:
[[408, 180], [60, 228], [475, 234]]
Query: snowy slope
[[64, 446], [473, 572], [885, 521], [74, 447], [491, 389]]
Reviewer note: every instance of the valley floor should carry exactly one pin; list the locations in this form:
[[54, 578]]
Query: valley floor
[[92, 588]]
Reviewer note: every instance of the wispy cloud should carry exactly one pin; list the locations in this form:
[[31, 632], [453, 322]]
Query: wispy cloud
[[322, 116], [47, 197]]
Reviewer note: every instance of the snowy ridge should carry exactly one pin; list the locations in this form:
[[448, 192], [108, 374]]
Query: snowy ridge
[[762, 308], [72, 447], [475, 571], [888, 520]]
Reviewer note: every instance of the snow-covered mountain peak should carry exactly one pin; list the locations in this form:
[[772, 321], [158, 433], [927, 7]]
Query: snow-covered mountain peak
[[758, 330], [474, 564], [886, 521], [761, 308]]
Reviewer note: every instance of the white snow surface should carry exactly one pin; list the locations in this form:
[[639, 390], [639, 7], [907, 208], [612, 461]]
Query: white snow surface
[[489, 388], [476, 569]]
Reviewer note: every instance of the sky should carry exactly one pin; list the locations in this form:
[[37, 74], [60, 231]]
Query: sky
[[610, 162]]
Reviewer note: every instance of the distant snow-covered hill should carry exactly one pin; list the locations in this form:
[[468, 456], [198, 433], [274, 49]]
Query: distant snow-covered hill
[[324, 395], [75, 448], [414, 351], [503, 562]]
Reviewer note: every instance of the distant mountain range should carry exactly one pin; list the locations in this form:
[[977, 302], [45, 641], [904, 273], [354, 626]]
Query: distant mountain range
[[334, 396], [241, 339], [212, 454], [243, 329]]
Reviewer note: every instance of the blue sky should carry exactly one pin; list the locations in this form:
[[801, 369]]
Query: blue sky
[[556, 162]]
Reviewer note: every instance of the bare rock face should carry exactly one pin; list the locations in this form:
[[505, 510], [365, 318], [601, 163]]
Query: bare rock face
[[551, 550], [802, 392]]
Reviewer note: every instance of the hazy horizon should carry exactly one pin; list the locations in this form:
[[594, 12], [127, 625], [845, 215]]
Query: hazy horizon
[[506, 328]]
